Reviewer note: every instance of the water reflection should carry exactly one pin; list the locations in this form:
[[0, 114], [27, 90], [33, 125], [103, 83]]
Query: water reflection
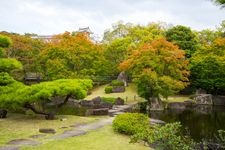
[[202, 121]]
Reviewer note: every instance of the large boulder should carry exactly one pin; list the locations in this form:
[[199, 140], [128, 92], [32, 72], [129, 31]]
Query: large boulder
[[176, 105], [203, 109], [205, 99], [119, 101], [122, 77], [47, 130], [103, 105], [86, 104], [181, 105], [3, 113], [97, 100], [156, 104], [98, 112], [118, 89]]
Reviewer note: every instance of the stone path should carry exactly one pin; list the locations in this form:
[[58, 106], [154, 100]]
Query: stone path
[[83, 129], [23, 142], [9, 148]]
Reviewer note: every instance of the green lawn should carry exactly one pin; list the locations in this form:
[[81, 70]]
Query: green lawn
[[101, 139], [130, 94], [177, 98], [23, 126]]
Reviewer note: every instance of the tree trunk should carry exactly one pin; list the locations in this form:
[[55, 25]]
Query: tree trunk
[[64, 102], [48, 116]]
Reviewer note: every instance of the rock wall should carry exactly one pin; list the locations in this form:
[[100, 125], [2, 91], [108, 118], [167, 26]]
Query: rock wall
[[204, 99]]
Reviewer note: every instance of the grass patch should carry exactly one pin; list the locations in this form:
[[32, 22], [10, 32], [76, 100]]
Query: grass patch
[[102, 139], [130, 95], [177, 98], [23, 126]]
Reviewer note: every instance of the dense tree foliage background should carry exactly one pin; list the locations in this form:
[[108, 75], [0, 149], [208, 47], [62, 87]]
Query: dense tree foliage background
[[155, 56]]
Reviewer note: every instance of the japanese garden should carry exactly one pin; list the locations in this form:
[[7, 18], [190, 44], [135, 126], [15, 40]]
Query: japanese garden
[[141, 87]]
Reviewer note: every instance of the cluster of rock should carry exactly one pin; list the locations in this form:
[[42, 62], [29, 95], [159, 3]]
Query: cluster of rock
[[118, 89], [202, 103], [97, 106]]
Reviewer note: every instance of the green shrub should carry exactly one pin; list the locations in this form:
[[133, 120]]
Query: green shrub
[[117, 83], [5, 41], [108, 99], [166, 137], [131, 123], [2, 52], [5, 79], [108, 89]]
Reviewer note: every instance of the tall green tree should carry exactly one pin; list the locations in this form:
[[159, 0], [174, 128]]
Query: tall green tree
[[25, 49], [208, 67], [71, 56], [220, 2], [6, 64], [184, 37]]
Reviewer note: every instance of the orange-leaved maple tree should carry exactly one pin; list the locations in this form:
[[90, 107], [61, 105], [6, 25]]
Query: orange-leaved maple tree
[[158, 68]]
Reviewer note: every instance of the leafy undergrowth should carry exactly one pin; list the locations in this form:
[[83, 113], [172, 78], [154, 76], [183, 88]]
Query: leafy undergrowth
[[22, 126], [102, 139], [130, 94]]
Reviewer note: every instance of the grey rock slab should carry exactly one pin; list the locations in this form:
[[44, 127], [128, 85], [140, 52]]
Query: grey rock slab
[[47, 130], [37, 136], [156, 121], [68, 134], [97, 125], [23, 142], [9, 148], [83, 129]]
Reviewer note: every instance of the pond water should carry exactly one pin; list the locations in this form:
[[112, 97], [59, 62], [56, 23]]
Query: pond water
[[201, 122]]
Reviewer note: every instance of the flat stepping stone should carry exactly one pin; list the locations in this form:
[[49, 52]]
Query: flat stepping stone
[[97, 125], [9, 148], [37, 136], [156, 121], [47, 130], [63, 127], [78, 125], [83, 129], [23, 142], [68, 134]]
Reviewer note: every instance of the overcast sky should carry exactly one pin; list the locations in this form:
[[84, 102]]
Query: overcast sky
[[56, 16]]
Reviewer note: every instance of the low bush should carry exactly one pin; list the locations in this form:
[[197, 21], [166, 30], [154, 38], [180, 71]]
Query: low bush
[[117, 83], [109, 99], [131, 123], [108, 89], [166, 137]]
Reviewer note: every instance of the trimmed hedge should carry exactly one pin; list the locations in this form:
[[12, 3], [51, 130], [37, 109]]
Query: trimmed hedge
[[108, 99], [131, 123], [108, 89], [117, 83]]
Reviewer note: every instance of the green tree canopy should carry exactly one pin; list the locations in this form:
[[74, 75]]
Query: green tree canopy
[[158, 67], [220, 2], [208, 67], [184, 37], [71, 56]]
